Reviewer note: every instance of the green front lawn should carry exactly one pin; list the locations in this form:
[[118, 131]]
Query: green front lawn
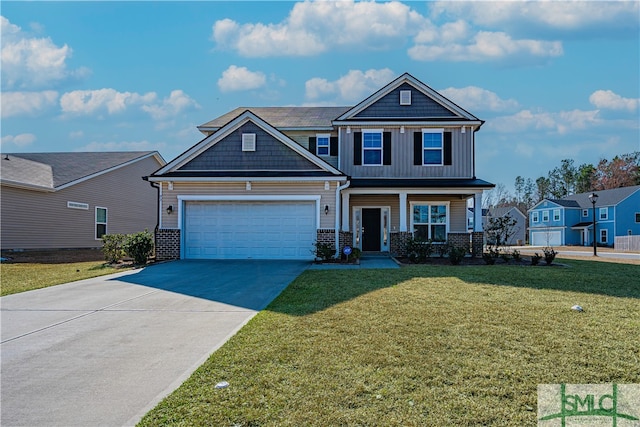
[[423, 345], [21, 277]]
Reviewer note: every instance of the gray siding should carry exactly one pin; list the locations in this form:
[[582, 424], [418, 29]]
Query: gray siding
[[39, 220], [302, 138], [422, 107], [270, 154], [402, 156]]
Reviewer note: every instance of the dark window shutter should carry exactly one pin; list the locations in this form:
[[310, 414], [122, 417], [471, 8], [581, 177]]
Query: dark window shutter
[[312, 144], [357, 148], [417, 148], [447, 148], [333, 146], [386, 148]]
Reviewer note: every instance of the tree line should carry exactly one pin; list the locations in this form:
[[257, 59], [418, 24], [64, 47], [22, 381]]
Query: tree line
[[566, 179]]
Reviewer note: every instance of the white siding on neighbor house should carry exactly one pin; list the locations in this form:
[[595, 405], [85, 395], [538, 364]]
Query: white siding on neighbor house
[[42, 220], [258, 189]]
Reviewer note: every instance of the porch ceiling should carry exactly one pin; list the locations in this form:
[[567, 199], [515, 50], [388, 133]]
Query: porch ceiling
[[420, 183]]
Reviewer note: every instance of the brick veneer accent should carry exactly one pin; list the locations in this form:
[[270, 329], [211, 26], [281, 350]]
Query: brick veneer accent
[[346, 239], [477, 243], [459, 240], [167, 244], [399, 243]]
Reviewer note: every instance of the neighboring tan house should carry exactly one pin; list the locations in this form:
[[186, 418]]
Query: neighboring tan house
[[569, 221], [520, 227], [269, 182], [69, 200]]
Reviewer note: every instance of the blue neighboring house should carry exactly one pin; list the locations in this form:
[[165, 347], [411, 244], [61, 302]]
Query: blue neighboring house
[[569, 221]]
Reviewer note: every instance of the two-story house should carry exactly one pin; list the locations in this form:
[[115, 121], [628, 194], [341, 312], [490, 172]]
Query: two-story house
[[269, 182], [569, 221]]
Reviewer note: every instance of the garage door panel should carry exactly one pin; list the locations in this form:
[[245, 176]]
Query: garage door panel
[[544, 238], [239, 230]]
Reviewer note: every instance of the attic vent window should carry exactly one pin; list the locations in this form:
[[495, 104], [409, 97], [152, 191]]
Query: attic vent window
[[405, 97], [248, 142]]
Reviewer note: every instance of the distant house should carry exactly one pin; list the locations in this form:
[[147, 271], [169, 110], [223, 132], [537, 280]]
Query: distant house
[[569, 221], [69, 200], [520, 227]]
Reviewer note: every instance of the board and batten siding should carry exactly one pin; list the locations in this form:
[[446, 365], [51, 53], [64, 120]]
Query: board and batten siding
[[402, 155], [327, 197], [42, 220]]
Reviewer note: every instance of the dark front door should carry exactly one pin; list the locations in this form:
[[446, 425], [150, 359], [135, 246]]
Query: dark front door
[[371, 230]]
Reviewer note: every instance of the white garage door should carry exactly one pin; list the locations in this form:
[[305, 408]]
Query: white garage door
[[258, 230], [546, 238]]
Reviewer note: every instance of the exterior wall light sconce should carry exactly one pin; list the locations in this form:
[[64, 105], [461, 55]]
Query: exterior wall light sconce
[[326, 209], [169, 209]]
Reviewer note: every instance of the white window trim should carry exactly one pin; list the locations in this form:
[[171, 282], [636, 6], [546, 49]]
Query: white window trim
[[378, 131], [323, 135], [96, 223], [585, 213], [637, 215], [545, 216], [441, 149], [248, 142], [430, 203], [405, 97], [556, 218], [535, 216], [606, 214]]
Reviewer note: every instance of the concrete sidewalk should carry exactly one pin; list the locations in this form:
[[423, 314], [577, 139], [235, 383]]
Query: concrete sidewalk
[[104, 351]]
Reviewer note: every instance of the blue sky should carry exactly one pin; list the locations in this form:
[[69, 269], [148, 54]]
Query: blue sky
[[552, 80]]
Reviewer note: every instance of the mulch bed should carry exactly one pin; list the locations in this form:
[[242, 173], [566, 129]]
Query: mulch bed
[[524, 261], [57, 256]]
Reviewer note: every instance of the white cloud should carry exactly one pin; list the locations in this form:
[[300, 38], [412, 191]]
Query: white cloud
[[474, 98], [353, 86], [315, 27], [76, 134], [101, 100], [558, 122], [27, 103], [20, 140], [541, 16], [176, 103], [31, 62], [240, 78], [122, 146], [486, 46], [609, 100]]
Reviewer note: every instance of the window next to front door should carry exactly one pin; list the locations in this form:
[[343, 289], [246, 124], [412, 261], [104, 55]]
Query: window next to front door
[[430, 221], [101, 222]]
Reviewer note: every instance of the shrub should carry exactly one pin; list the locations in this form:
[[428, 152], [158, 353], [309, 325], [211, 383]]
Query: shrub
[[549, 255], [112, 247], [442, 248], [516, 255], [139, 246], [355, 253], [504, 255], [418, 251], [490, 256], [324, 251], [535, 259], [456, 254]]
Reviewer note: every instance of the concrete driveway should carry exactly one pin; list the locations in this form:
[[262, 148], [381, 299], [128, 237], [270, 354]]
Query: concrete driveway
[[104, 351]]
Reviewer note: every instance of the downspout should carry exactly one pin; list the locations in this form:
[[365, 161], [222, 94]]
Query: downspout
[[339, 214], [155, 231]]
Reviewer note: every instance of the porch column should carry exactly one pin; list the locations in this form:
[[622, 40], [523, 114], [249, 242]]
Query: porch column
[[345, 211], [403, 211], [477, 212]]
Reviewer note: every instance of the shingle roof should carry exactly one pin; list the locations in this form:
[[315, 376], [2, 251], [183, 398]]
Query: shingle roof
[[605, 197], [52, 170], [283, 117]]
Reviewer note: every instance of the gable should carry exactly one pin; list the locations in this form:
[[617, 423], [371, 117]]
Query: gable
[[270, 154], [220, 155], [425, 105], [421, 107]]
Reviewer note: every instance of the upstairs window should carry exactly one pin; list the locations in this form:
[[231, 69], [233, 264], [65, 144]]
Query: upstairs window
[[101, 222], [603, 214], [637, 217], [535, 217], [322, 144], [556, 214], [432, 147], [372, 147], [585, 213], [545, 216]]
